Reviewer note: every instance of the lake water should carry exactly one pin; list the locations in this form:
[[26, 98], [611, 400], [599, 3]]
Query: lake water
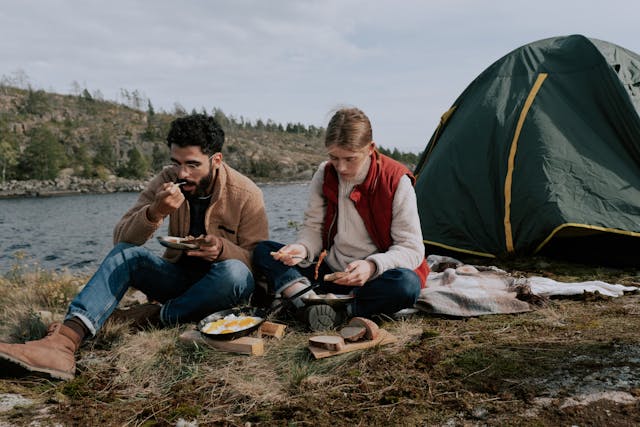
[[75, 232]]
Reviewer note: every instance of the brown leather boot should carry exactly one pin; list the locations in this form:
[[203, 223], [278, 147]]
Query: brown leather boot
[[51, 356]]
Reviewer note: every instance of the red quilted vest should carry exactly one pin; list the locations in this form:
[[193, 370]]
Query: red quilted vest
[[373, 200]]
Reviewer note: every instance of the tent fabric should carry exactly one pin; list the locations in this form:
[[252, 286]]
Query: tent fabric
[[542, 147]]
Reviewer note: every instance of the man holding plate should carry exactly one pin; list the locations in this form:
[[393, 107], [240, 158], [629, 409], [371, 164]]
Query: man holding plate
[[203, 197]]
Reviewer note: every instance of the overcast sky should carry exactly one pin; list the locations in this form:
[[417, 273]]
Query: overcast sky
[[402, 62]]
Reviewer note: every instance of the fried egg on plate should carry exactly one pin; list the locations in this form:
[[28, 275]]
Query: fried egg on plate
[[230, 323]]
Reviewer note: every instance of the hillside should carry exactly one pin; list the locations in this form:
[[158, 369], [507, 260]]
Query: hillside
[[45, 135]]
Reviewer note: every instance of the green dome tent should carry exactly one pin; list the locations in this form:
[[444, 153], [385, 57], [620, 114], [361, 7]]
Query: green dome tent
[[539, 154]]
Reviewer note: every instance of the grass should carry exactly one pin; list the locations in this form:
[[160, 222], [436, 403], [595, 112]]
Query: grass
[[508, 370]]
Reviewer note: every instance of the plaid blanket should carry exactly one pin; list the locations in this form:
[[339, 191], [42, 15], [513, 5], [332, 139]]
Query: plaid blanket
[[456, 289]]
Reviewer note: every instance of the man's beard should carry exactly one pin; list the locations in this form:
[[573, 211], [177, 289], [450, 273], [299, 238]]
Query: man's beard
[[203, 187]]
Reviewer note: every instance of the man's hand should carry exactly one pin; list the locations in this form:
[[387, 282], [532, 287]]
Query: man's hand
[[209, 248], [358, 273], [167, 199]]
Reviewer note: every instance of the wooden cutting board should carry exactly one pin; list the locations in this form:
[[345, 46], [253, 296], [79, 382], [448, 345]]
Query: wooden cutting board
[[384, 337], [243, 345]]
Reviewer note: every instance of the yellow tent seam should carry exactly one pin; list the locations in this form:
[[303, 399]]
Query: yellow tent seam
[[453, 248], [511, 161], [587, 226]]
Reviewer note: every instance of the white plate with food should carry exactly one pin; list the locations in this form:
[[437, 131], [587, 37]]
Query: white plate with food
[[184, 243]]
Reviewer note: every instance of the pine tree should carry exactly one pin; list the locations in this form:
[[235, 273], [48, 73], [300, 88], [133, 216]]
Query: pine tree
[[158, 157], [44, 156], [8, 158], [137, 166]]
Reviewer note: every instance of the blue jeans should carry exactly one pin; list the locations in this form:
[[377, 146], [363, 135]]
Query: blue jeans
[[185, 295], [392, 291]]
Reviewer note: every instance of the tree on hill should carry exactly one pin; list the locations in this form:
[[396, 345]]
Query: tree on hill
[[36, 102], [82, 162], [9, 152], [221, 118], [105, 155], [44, 156], [150, 131], [86, 95], [159, 157], [137, 166], [409, 159], [8, 158]]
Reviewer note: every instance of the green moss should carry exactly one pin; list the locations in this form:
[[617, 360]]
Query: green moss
[[185, 411], [77, 388]]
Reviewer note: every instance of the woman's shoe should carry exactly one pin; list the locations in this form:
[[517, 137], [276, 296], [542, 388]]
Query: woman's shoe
[[323, 317]]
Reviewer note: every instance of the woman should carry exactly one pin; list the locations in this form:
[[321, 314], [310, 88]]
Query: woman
[[362, 211]]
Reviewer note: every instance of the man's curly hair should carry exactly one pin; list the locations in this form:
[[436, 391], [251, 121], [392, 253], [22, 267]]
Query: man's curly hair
[[199, 130]]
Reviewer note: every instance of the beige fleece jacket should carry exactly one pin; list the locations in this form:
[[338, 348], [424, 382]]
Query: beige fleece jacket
[[236, 213]]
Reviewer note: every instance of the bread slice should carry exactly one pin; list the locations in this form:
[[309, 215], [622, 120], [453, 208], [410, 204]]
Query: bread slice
[[335, 276], [329, 342]]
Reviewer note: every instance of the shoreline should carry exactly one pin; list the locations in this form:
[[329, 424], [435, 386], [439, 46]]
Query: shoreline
[[68, 186], [75, 186]]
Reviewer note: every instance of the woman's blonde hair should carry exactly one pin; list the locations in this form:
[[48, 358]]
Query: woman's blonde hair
[[349, 128]]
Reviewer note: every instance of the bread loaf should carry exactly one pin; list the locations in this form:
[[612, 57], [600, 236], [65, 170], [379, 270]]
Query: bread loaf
[[372, 330], [353, 333]]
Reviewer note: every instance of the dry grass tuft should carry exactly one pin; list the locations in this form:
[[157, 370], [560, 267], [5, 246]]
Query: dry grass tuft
[[33, 299]]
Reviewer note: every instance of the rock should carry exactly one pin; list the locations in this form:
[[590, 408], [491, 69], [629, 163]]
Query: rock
[[8, 401]]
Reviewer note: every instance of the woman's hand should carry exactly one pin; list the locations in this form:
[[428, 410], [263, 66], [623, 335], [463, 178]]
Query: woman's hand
[[209, 248], [359, 272], [290, 254]]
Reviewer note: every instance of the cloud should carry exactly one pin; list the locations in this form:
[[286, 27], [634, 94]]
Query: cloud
[[403, 62]]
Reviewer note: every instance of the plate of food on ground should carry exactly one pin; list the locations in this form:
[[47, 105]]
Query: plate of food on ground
[[232, 323], [184, 243]]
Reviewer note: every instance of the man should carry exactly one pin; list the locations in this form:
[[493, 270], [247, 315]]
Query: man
[[202, 196]]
